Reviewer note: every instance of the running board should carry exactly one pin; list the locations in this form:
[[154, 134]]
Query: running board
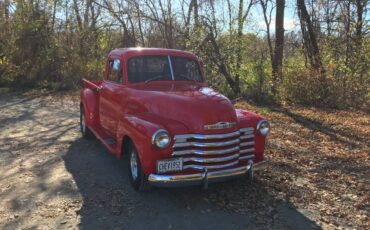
[[109, 142]]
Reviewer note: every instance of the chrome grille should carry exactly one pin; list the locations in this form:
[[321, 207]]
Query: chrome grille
[[215, 151]]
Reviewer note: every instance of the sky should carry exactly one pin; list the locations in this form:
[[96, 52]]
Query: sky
[[291, 22]]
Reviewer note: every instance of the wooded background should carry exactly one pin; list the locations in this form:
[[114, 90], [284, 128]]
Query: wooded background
[[324, 62]]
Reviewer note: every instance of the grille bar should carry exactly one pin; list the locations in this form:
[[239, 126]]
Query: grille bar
[[210, 160], [247, 150], [205, 152], [247, 157], [203, 144], [249, 143], [246, 136], [207, 137], [202, 167], [247, 130]]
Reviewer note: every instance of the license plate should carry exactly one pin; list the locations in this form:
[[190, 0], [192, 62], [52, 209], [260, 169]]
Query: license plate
[[170, 165]]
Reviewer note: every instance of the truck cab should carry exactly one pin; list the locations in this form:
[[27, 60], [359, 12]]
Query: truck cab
[[154, 109]]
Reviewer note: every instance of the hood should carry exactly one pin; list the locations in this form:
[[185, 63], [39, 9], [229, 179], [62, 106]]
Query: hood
[[193, 105]]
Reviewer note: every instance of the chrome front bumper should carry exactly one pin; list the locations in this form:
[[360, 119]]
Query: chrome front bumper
[[202, 178]]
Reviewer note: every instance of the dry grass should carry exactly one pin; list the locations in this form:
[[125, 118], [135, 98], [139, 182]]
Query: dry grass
[[319, 163]]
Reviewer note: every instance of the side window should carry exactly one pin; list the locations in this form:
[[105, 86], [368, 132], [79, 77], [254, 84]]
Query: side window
[[115, 71]]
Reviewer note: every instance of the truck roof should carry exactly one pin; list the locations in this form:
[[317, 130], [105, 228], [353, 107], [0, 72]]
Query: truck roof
[[136, 51]]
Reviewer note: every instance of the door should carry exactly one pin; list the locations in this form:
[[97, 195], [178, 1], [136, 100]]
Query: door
[[109, 97]]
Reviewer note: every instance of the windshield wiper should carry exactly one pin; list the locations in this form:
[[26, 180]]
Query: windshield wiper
[[155, 78]]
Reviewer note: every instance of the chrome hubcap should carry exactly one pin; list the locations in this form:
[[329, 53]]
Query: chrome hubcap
[[133, 165], [83, 125]]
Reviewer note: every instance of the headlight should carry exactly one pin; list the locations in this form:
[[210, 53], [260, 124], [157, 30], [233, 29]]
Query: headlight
[[263, 127], [161, 138]]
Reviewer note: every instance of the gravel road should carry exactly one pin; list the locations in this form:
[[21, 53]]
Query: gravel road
[[51, 178]]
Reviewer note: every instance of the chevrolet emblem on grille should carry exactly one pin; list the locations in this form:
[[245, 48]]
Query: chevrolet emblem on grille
[[220, 125]]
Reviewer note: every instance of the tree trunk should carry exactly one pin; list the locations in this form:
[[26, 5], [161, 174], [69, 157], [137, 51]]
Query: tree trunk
[[216, 55], [277, 62], [347, 26], [219, 61], [363, 66], [239, 42], [359, 24], [309, 38], [78, 16], [127, 39], [241, 19], [6, 11], [139, 20], [86, 14], [267, 22], [54, 13], [196, 12]]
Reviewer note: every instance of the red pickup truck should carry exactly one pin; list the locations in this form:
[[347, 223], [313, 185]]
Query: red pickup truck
[[154, 107]]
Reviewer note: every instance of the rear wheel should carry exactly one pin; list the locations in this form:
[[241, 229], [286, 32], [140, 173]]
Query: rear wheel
[[136, 173], [85, 131]]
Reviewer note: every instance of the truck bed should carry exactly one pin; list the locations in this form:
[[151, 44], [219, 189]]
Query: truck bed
[[91, 84]]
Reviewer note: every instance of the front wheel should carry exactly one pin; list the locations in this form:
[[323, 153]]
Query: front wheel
[[85, 131], [250, 175], [136, 173]]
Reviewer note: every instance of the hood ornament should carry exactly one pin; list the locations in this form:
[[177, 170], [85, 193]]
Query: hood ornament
[[220, 125]]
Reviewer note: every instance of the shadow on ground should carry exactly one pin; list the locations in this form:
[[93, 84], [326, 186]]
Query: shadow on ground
[[348, 137], [110, 202]]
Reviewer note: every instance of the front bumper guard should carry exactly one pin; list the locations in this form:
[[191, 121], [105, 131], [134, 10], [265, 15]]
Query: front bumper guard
[[205, 177]]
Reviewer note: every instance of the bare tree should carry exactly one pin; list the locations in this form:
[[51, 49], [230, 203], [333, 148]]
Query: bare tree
[[121, 14], [218, 57], [309, 37]]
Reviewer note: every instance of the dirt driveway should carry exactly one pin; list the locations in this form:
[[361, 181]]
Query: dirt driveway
[[50, 178]]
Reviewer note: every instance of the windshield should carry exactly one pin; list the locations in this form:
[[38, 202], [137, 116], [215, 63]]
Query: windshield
[[158, 68]]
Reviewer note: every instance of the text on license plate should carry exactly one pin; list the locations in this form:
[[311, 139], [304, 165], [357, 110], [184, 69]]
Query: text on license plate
[[170, 165]]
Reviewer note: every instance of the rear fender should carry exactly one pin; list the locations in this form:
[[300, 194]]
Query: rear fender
[[90, 101]]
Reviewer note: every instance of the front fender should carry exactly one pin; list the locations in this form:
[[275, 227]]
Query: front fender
[[250, 119], [140, 132]]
